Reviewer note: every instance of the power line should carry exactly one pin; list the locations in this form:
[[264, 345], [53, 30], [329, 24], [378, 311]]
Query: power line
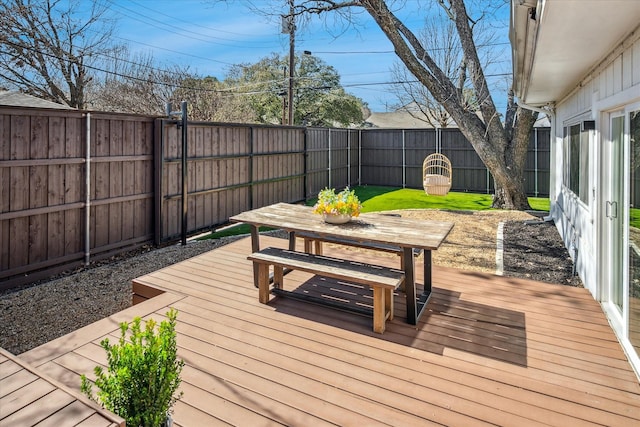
[[174, 18], [205, 38], [230, 90], [375, 52]]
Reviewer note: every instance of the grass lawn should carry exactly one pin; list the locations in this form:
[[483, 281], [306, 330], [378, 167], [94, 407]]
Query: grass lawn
[[375, 199]]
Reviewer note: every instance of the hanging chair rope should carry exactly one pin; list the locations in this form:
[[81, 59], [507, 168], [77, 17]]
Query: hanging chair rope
[[436, 173]]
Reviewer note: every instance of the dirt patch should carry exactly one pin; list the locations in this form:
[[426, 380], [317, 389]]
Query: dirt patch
[[471, 245]]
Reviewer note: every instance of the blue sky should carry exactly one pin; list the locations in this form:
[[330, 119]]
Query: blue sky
[[209, 36]]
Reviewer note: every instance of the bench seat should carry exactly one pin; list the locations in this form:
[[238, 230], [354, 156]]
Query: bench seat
[[383, 280], [313, 244]]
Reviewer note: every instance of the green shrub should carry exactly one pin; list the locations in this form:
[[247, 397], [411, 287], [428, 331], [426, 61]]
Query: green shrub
[[143, 373]]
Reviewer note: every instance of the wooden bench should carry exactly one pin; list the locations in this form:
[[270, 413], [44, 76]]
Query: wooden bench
[[383, 280]]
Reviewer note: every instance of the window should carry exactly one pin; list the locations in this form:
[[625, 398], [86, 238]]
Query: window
[[577, 161]]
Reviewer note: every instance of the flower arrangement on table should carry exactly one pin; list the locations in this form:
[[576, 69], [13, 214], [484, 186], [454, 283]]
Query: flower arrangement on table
[[344, 204]]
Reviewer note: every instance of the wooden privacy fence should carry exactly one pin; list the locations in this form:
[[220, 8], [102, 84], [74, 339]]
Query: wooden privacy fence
[[393, 157], [231, 169], [78, 186], [57, 207]]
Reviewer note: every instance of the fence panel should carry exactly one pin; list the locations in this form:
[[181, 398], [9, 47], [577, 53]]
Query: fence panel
[[381, 157], [121, 183], [39, 201], [469, 172], [353, 137], [332, 158], [317, 160], [230, 169], [419, 143], [43, 216], [278, 165], [536, 173], [217, 176], [339, 154]]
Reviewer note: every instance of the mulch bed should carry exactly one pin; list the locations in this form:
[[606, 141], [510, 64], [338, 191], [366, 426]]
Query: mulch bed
[[534, 250]]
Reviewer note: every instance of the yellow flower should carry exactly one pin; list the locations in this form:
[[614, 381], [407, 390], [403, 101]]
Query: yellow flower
[[344, 202]]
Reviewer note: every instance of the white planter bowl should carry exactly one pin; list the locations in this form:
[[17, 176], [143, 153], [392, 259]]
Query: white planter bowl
[[336, 218]]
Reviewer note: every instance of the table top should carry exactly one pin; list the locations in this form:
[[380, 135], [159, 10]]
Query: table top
[[375, 227]]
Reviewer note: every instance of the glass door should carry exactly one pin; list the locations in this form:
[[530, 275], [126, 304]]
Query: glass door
[[616, 227], [634, 231]]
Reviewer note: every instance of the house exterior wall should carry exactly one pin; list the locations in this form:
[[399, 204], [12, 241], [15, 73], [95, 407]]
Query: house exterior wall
[[613, 85]]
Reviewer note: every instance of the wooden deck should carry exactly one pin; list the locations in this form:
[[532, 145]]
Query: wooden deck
[[490, 351], [29, 398]]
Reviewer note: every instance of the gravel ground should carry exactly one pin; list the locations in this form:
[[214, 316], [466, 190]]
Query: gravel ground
[[37, 314]]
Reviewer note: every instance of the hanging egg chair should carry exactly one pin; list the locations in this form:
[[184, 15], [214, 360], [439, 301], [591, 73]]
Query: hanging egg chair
[[436, 174]]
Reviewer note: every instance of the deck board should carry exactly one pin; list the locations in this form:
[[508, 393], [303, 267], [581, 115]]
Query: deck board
[[29, 397], [489, 351]]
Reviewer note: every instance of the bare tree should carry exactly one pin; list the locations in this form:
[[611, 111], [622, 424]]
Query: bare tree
[[209, 99], [439, 37], [135, 84], [49, 49], [502, 146]]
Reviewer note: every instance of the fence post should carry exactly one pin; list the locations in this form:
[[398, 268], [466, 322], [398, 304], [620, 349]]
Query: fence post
[[251, 157], [305, 159], [329, 158], [87, 181], [404, 160], [348, 157], [185, 175], [488, 178], [535, 153], [360, 157], [185, 190], [158, 165]]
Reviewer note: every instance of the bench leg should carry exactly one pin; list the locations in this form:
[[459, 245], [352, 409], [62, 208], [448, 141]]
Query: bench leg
[[278, 277], [262, 278], [379, 308], [388, 303], [307, 245], [318, 247]]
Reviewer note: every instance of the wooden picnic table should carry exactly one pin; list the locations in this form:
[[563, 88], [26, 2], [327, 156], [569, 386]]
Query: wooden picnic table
[[409, 234]]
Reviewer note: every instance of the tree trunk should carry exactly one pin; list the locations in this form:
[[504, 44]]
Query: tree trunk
[[511, 196], [502, 146], [511, 193]]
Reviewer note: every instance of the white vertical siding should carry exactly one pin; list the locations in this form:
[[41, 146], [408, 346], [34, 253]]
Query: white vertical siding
[[634, 54], [627, 68], [612, 87]]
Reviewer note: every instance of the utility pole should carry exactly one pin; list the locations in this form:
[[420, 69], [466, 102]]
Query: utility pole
[[291, 27]]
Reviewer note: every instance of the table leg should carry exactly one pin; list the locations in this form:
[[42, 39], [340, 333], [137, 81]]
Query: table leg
[[421, 305], [428, 280], [255, 247], [292, 241], [409, 284]]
